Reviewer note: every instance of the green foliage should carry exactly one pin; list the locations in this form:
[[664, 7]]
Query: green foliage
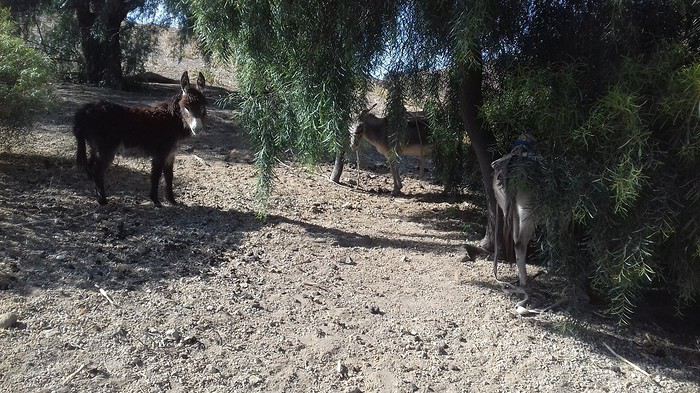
[[24, 77], [615, 106], [52, 28], [60, 42], [448, 134], [619, 198], [303, 69], [395, 113], [610, 89], [137, 44]]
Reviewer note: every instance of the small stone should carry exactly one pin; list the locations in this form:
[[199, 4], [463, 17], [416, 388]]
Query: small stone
[[347, 205], [49, 333], [441, 348], [212, 370], [348, 261], [375, 310], [172, 335], [254, 380], [404, 259], [190, 340], [8, 320], [355, 390]]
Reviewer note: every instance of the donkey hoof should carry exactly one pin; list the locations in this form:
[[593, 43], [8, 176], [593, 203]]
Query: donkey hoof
[[396, 193], [102, 201]]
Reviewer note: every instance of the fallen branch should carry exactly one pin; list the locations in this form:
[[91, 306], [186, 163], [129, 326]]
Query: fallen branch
[[74, 373], [634, 366], [314, 285]]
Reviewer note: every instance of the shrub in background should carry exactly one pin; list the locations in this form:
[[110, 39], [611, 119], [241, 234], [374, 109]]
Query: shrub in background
[[621, 197], [25, 77]]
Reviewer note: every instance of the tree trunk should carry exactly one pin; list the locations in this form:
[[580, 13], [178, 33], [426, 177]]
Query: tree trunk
[[100, 24], [483, 141], [112, 70], [89, 45], [338, 167]]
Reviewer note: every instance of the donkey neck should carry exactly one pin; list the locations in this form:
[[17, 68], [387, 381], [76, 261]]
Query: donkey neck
[[374, 131]]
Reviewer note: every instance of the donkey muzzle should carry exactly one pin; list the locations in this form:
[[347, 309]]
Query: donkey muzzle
[[196, 125]]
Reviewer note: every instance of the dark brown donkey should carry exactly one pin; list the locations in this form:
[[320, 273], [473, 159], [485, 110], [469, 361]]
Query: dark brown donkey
[[154, 131]]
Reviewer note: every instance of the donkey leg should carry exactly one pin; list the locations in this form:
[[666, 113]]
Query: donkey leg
[[101, 161], [90, 168], [168, 174], [397, 179], [157, 165], [525, 227], [520, 258]]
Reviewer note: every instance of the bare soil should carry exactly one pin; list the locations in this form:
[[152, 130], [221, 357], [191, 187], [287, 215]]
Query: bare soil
[[341, 289]]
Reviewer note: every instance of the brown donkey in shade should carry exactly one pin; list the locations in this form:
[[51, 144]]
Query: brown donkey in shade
[[375, 130], [154, 131]]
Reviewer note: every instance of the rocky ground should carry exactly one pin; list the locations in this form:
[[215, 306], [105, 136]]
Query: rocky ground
[[342, 289]]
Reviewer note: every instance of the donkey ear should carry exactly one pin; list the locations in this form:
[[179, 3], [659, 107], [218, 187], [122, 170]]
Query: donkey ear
[[184, 81], [364, 112], [200, 81]]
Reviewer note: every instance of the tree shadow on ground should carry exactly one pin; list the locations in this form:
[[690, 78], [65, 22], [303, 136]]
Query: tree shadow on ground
[[54, 235], [656, 337], [467, 219], [347, 239]]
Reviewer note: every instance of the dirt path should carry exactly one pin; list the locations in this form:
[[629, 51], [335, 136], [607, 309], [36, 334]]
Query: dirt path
[[339, 291]]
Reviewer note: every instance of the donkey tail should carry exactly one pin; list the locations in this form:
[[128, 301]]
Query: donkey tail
[[78, 131], [81, 154]]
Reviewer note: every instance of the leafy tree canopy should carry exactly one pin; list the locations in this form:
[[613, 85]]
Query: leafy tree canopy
[[610, 88]]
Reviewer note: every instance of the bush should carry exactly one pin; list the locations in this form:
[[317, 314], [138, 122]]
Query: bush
[[621, 199], [24, 77]]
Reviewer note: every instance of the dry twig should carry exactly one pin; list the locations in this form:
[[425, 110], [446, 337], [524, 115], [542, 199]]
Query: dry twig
[[74, 373], [634, 366], [109, 299], [314, 285]]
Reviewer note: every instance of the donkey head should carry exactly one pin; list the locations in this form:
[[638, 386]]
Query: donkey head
[[358, 132], [193, 105]]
